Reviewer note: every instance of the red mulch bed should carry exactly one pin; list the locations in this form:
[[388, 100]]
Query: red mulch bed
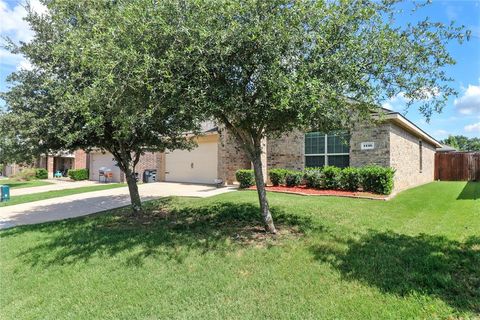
[[303, 190]]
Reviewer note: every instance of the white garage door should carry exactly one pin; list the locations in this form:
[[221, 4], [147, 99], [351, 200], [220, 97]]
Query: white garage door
[[197, 166], [98, 160]]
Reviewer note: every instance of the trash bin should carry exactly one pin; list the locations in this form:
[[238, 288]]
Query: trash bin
[[4, 193], [149, 176]]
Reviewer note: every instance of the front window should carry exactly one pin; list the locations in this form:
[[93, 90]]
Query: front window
[[331, 149]]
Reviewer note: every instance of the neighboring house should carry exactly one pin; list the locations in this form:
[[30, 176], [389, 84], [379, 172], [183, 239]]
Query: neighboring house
[[63, 161], [395, 142]]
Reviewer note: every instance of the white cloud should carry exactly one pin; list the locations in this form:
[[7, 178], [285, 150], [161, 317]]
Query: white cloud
[[14, 27], [475, 127], [8, 58], [441, 134], [427, 93], [13, 24], [388, 105], [24, 64], [395, 102], [469, 102], [399, 101]]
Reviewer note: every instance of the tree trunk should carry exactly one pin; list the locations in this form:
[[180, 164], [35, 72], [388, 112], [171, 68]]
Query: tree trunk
[[133, 190], [262, 194]]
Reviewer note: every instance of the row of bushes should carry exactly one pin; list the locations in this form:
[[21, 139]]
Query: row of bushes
[[371, 178], [28, 174], [78, 174]]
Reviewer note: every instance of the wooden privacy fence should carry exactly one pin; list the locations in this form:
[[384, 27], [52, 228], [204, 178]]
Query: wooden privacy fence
[[457, 166]]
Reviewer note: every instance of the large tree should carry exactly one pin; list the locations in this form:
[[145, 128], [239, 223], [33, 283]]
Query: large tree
[[266, 67], [100, 80], [462, 143]]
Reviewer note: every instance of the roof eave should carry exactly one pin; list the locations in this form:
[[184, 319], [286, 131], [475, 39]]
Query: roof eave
[[406, 124]]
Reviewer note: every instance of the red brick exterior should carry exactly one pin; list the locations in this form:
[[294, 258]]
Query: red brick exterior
[[50, 166], [149, 161], [81, 160]]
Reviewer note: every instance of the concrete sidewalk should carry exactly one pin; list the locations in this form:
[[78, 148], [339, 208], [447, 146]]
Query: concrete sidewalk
[[56, 185], [97, 201]]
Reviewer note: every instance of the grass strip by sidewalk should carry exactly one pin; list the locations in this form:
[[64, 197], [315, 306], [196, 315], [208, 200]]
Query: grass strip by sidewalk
[[57, 193], [13, 184]]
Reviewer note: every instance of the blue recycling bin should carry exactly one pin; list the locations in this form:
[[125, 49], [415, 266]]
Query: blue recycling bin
[[4, 193]]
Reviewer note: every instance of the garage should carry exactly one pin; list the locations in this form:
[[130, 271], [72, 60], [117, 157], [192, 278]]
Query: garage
[[196, 166], [103, 160]]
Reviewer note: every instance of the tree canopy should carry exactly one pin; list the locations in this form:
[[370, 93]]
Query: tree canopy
[[100, 80], [462, 143], [265, 68], [128, 76]]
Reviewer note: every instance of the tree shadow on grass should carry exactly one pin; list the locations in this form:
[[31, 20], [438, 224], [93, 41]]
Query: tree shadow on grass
[[164, 230], [402, 265], [471, 191]]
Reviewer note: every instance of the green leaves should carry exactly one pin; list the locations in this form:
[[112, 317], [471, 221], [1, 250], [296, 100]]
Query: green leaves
[[100, 71], [271, 66]]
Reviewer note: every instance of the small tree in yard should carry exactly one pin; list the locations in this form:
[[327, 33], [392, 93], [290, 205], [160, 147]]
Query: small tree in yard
[[100, 80], [266, 67]]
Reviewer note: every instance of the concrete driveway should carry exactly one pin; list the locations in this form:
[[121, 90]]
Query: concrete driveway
[[97, 201]]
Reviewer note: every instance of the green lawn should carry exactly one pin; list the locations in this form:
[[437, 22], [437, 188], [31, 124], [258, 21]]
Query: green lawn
[[414, 257], [23, 184], [57, 193]]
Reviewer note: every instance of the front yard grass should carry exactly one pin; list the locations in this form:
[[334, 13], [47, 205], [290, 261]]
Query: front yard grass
[[57, 193], [414, 257], [14, 184]]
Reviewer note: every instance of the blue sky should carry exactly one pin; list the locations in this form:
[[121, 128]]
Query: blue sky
[[460, 116]]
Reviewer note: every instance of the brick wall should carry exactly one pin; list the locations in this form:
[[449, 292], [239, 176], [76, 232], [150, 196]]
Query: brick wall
[[405, 159], [50, 162], [81, 160], [394, 147], [287, 151], [378, 134], [150, 160], [231, 157]]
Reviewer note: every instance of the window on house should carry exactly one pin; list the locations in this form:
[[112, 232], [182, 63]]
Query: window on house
[[420, 152], [331, 149]]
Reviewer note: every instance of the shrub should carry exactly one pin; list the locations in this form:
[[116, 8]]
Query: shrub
[[277, 176], [293, 178], [26, 174], [313, 178], [245, 177], [377, 179], [331, 177], [41, 173], [350, 179], [78, 174]]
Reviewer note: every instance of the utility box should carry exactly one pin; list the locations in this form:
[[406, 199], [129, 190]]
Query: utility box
[[4, 193], [149, 176]]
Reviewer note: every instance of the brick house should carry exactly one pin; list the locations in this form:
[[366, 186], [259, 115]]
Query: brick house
[[63, 161], [395, 142]]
